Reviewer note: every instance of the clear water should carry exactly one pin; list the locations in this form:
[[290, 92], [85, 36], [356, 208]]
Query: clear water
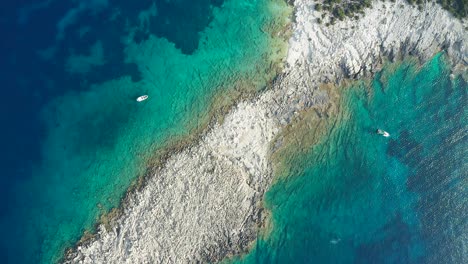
[[75, 139], [357, 197]]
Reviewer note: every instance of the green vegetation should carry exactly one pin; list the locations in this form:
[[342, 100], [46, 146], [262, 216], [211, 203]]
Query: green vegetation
[[341, 9], [458, 8]]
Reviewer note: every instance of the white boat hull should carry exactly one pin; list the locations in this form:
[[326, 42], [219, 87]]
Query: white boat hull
[[383, 133], [142, 98]]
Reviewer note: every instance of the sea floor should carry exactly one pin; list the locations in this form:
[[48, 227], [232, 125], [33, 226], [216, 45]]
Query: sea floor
[[94, 138], [358, 197]]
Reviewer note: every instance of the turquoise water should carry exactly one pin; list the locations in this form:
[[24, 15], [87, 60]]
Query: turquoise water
[[357, 197], [95, 138]]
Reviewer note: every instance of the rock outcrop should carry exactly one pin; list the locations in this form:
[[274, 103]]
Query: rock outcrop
[[205, 203]]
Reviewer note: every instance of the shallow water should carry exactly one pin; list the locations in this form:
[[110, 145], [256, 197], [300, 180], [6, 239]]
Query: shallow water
[[357, 197], [86, 137]]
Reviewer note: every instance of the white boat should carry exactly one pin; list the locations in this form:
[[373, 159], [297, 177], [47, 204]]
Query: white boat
[[142, 98], [383, 133]]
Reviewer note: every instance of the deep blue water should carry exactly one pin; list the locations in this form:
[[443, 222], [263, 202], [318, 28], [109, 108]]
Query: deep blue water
[[357, 197], [24, 75], [29, 81]]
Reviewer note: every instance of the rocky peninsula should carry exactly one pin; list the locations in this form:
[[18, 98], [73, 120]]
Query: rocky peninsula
[[205, 203]]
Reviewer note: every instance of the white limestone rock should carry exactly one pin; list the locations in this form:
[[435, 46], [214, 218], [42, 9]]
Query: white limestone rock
[[204, 204]]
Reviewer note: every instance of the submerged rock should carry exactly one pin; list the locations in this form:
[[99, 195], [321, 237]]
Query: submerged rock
[[204, 204]]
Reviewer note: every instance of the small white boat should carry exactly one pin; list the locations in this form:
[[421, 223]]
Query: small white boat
[[142, 98], [383, 133]]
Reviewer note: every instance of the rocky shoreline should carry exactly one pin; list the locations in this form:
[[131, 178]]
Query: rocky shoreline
[[205, 203]]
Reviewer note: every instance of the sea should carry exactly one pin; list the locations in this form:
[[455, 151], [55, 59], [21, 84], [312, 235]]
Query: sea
[[359, 197], [73, 136]]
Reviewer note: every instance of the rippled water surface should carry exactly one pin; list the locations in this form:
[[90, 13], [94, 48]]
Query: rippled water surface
[[74, 137], [357, 197]]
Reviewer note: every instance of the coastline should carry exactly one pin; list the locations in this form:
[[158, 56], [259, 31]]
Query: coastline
[[346, 193], [234, 156], [235, 88]]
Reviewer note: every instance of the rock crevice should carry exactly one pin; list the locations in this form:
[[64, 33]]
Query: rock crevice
[[204, 204]]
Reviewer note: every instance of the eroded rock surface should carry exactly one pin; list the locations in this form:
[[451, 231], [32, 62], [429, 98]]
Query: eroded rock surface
[[205, 202]]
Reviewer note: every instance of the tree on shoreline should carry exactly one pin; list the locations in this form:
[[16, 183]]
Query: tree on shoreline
[[340, 9]]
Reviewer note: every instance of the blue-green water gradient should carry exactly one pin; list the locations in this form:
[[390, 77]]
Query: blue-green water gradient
[[357, 197], [76, 138]]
